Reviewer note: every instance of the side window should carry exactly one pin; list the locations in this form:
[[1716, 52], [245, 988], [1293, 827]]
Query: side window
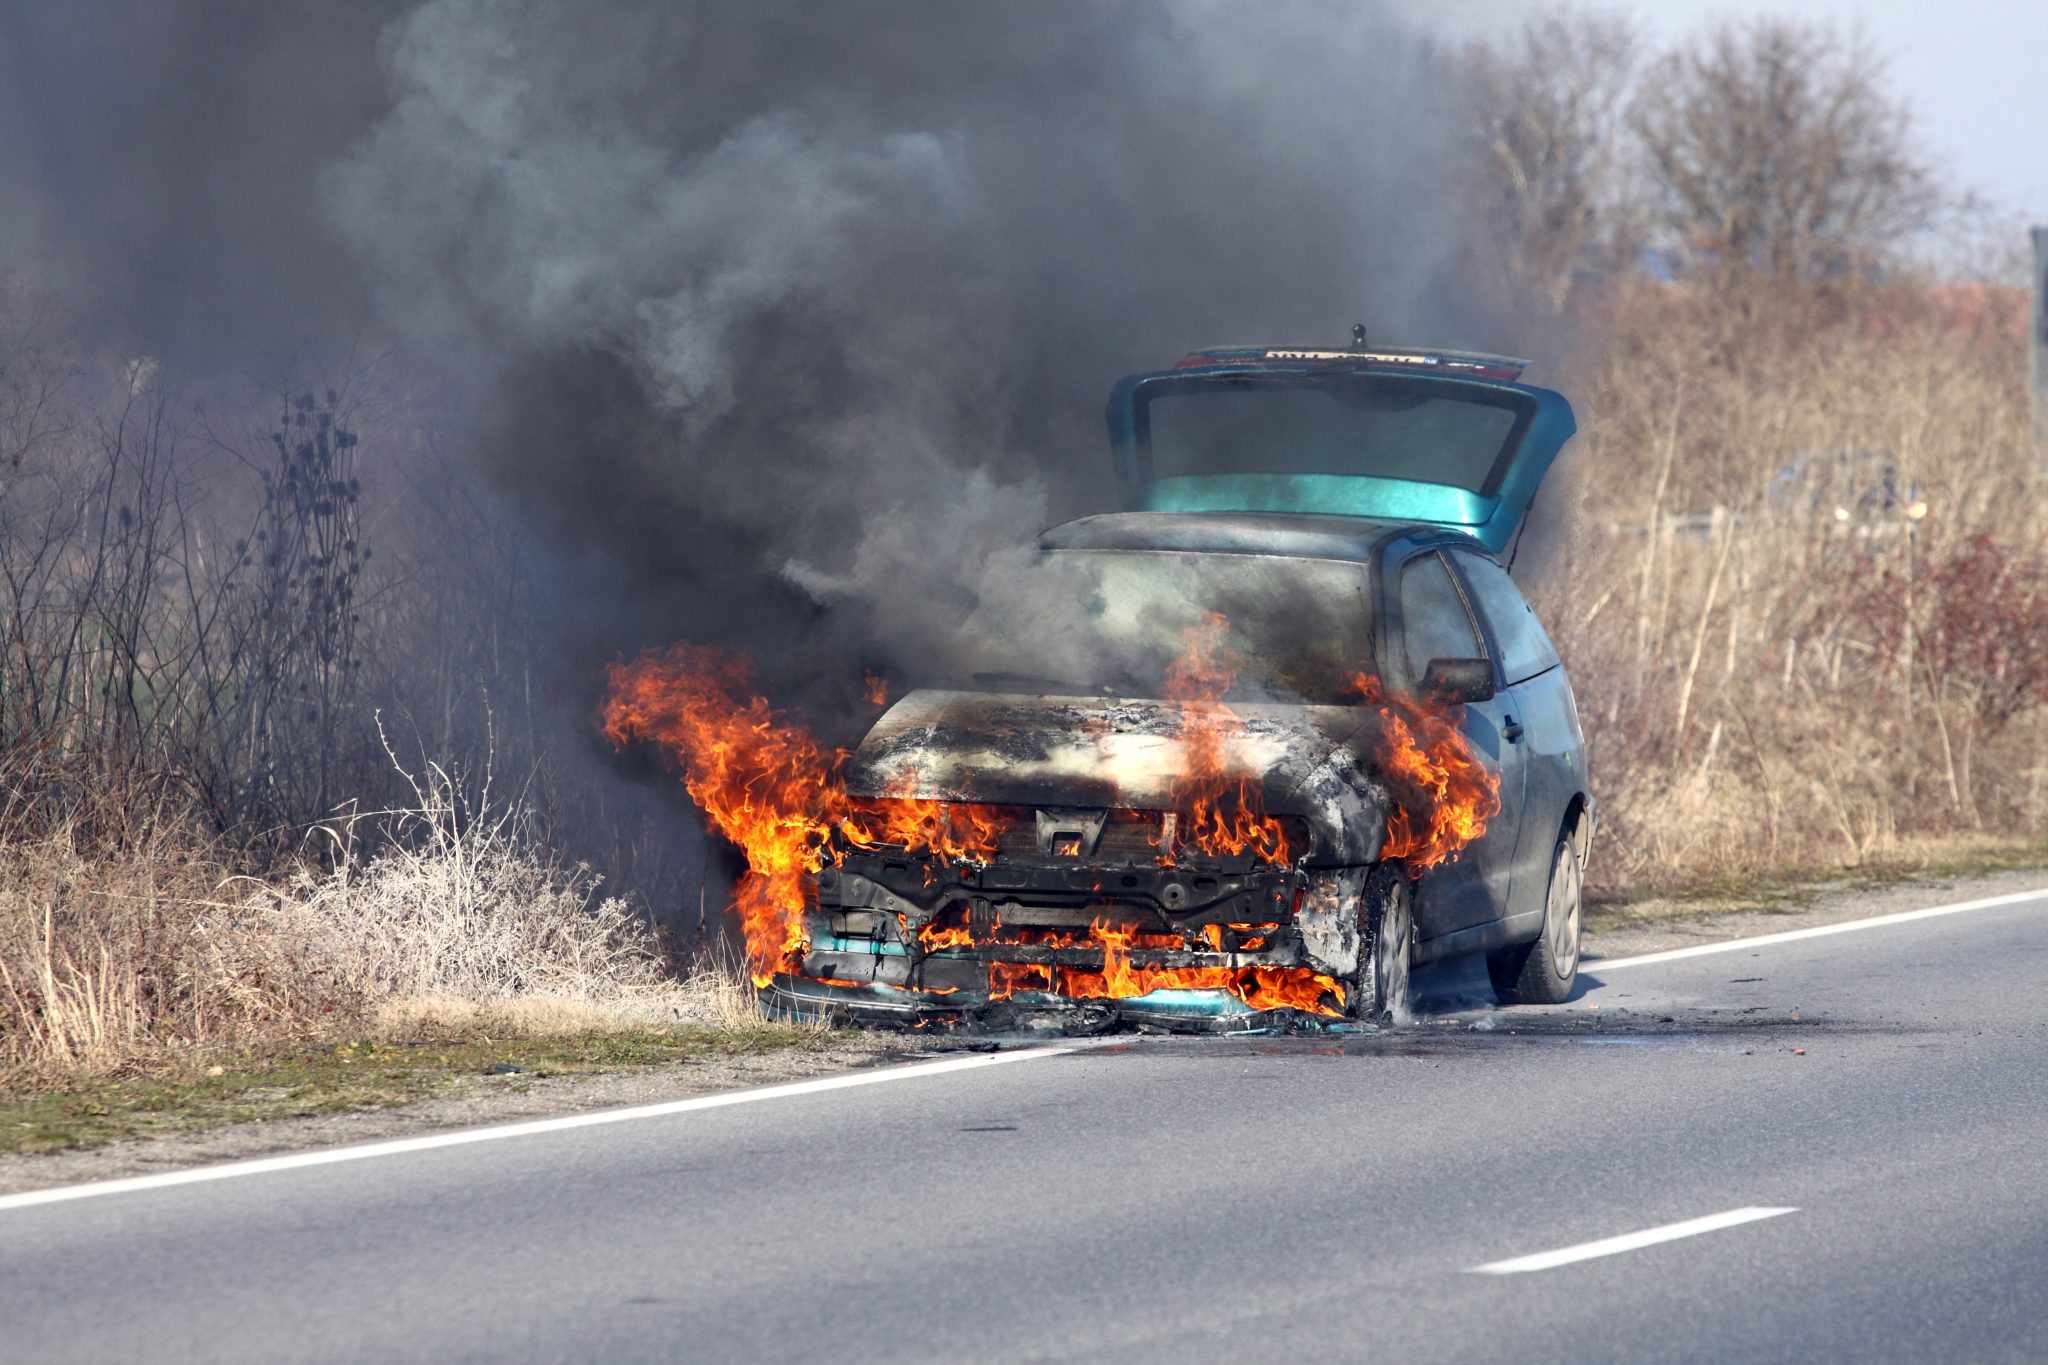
[[1434, 622], [1525, 650]]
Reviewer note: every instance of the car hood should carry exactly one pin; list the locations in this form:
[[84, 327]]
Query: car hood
[[1026, 750]]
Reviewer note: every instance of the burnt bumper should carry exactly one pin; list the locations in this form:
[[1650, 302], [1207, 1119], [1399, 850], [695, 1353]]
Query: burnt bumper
[[1070, 947], [1177, 1011]]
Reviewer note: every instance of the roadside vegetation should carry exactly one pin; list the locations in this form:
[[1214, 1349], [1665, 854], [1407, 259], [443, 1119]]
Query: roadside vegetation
[[265, 666], [1805, 598], [1795, 558], [137, 964]]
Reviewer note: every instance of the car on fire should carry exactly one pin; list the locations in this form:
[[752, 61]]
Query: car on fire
[[1244, 752]]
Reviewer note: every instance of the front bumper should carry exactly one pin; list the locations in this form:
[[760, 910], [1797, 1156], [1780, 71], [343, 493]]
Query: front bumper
[[1029, 945], [1177, 1011]]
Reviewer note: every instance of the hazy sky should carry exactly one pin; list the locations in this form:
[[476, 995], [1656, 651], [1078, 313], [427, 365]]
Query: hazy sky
[[1972, 70]]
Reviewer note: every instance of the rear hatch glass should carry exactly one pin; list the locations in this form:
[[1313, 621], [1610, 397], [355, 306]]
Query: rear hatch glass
[[1454, 452]]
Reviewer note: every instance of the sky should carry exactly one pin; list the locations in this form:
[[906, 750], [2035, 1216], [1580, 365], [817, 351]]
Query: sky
[[1971, 70]]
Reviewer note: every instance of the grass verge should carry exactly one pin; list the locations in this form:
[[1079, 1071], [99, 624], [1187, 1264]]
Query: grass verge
[[245, 1086], [1794, 890]]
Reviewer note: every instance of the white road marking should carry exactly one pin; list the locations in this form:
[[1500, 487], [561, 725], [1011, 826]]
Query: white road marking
[[1631, 1241], [1597, 965], [462, 1138]]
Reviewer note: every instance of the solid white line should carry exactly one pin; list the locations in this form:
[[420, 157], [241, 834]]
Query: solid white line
[[461, 1138], [1597, 965], [1632, 1241]]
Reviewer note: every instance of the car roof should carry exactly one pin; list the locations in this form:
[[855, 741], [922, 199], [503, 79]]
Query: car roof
[[1291, 534]]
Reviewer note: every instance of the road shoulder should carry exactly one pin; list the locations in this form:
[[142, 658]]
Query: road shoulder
[[461, 1101], [1654, 926]]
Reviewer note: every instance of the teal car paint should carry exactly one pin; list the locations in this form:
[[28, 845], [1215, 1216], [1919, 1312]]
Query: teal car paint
[[1413, 484]]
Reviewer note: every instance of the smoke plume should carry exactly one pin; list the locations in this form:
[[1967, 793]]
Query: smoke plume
[[795, 320]]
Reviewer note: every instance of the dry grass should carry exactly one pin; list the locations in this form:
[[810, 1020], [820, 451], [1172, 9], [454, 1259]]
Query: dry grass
[[460, 924], [100, 955], [1771, 686]]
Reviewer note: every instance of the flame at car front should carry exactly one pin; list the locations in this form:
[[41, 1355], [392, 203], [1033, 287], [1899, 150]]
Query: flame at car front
[[1217, 799], [765, 783]]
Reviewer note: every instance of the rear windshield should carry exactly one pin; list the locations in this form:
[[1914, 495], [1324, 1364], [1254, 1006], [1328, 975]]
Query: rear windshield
[[1380, 425], [1089, 621]]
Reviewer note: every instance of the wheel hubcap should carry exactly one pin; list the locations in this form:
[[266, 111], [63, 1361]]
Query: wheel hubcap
[[1561, 916], [1391, 960]]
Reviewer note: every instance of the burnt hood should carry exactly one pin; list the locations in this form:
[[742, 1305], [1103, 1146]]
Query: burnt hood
[[1024, 750]]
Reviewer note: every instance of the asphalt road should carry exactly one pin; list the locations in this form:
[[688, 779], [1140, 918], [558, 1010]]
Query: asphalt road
[[1249, 1200]]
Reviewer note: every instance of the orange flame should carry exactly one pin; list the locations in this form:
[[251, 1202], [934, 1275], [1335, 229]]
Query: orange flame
[[1262, 988], [936, 939], [875, 688], [1007, 978], [953, 831], [765, 783], [1216, 797], [1444, 794]]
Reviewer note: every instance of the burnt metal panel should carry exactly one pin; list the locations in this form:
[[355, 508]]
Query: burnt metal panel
[[1093, 752]]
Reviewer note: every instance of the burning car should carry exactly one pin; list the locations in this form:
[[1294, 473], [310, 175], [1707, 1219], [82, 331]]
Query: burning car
[[1235, 757]]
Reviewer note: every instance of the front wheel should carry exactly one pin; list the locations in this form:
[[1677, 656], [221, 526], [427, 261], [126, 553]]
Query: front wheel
[[1544, 972], [1379, 993]]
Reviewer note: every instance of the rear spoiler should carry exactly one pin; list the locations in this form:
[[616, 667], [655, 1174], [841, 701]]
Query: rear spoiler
[[1466, 364]]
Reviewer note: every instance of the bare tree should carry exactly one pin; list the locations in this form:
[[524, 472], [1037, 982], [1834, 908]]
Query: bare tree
[[1777, 147], [1549, 115]]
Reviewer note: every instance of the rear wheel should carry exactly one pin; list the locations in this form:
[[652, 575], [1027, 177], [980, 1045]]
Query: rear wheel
[[1544, 972], [1379, 993]]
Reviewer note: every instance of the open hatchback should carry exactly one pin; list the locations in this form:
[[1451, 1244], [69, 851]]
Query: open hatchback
[[1430, 438]]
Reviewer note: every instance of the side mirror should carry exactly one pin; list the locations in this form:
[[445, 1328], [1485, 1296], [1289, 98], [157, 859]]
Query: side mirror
[[1456, 681]]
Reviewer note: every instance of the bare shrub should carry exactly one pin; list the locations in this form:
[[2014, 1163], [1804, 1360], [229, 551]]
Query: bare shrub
[[1551, 164], [457, 921], [460, 903], [204, 603], [1778, 147], [1802, 598]]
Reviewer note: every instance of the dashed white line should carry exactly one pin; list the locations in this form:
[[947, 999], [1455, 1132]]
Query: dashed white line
[[464, 1137], [1598, 965], [1630, 1241]]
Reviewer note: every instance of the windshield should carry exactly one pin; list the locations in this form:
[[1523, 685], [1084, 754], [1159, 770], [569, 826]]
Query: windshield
[[1359, 424], [1089, 621]]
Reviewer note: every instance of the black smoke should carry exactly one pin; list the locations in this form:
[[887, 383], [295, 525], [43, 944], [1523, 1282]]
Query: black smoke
[[794, 320], [159, 166]]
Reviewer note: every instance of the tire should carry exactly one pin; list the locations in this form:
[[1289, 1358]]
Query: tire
[[1386, 947], [1544, 972]]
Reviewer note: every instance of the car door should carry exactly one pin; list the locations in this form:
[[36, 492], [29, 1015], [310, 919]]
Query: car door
[[1434, 620], [1541, 716]]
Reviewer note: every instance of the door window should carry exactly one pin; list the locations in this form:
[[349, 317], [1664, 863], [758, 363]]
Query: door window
[[1434, 621], [1525, 650]]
